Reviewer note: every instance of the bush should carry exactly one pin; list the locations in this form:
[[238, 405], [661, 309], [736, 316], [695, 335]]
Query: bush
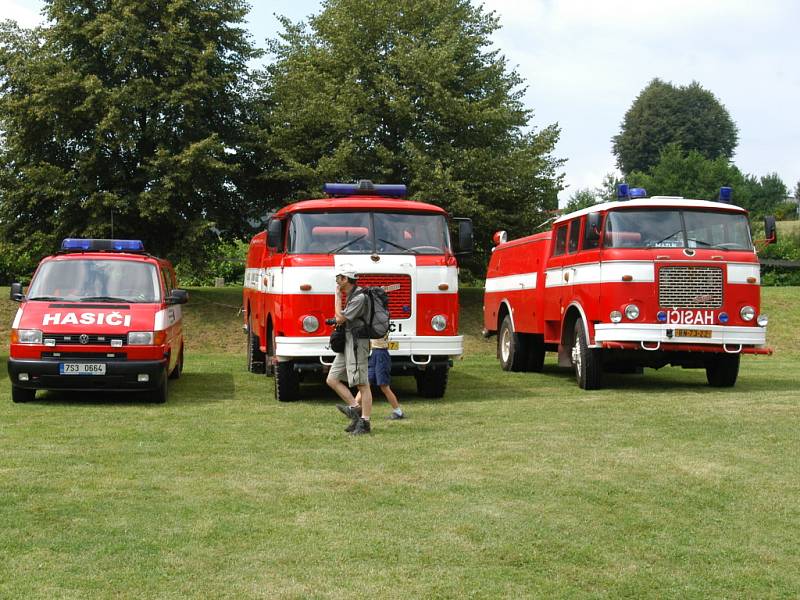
[[226, 259]]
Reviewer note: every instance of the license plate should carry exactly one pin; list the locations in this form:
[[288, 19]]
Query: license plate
[[82, 368], [394, 346], [693, 333]]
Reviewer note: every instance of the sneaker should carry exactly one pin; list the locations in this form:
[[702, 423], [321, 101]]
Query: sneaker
[[361, 427], [351, 412], [393, 416], [352, 426]]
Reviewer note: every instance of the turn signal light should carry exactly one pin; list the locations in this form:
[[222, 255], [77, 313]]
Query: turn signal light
[[444, 287], [306, 287], [627, 278]]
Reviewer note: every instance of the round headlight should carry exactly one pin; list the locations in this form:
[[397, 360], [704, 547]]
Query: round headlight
[[763, 320], [310, 324], [748, 313], [439, 322], [632, 312], [615, 316]]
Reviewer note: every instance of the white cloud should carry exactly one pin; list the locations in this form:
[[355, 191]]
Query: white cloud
[[26, 14]]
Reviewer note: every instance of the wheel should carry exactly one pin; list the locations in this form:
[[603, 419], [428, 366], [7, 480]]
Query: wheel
[[287, 384], [176, 372], [722, 370], [269, 357], [586, 361], [255, 357], [160, 393], [536, 351], [432, 382], [510, 347], [19, 394]]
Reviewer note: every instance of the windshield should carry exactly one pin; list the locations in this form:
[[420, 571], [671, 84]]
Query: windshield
[[677, 229], [102, 280], [368, 233]]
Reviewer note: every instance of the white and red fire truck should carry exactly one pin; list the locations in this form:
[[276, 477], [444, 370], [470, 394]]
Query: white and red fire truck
[[638, 282], [99, 315], [401, 245]]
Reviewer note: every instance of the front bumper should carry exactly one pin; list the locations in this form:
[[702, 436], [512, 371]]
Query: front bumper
[[651, 334], [120, 375], [287, 348]]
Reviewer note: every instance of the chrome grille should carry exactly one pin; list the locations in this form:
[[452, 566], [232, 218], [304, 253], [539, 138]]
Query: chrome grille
[[690, 287]]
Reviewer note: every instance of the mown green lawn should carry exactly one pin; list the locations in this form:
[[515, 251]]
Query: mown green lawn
[[513, 485]]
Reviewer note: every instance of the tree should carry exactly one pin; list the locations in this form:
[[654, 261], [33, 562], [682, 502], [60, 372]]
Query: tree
[[408, 91], [766, 195], [663, 114], [581, 199], [129, 108]]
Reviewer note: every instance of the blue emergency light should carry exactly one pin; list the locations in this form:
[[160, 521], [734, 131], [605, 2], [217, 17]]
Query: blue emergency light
[[726, 194], [93, 245], [625, 192], [638, 193], [622, 191], [365, 187]]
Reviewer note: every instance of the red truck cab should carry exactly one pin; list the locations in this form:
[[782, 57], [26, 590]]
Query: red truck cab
[[99, 315]]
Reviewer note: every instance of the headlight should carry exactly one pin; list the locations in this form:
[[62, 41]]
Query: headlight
[[140, 338], [310, 324], [763, 320], [748, 313], [632, 312], [29, 336], [439, 322], [615, 316]]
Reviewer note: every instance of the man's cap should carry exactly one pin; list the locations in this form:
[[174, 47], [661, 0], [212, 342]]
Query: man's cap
[[346, 270]]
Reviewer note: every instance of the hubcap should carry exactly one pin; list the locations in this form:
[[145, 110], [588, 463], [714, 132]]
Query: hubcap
[[505, 346], [576, 358]]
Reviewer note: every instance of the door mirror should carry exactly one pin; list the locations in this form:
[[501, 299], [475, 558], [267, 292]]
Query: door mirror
[[593, 223], [16, 292], [178, 297], [274, 231], [770, 230], [465, 243]]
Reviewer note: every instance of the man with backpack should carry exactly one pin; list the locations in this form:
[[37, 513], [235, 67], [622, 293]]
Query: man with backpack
[[351, 365]]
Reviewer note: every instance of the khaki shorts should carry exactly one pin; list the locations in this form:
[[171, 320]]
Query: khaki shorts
[[346, 368]]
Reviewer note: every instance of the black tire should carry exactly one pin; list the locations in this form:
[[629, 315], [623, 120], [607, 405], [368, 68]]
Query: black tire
[[178, 370], [287, 384], [432, 382], [722, 370], [161, 392], [511, 348], [269, 358], [536, 352], [20, 395], [255, 357], [586, 361]]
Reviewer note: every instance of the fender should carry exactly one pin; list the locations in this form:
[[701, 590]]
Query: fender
[[505, 302]]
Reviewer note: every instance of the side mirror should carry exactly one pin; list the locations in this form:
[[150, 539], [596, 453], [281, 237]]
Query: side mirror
[[500, 237], [178, 297], [465, 243], [593, 223], [770, 230], [16, 292], [274, 231]]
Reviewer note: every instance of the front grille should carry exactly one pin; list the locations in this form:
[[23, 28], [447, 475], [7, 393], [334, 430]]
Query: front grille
[[91, 339], [399, 300], [690, 287], [101, 356]]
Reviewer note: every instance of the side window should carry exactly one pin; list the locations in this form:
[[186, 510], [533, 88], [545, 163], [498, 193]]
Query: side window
[[167, 281], [591, 231], [574, 236], [561, 241]]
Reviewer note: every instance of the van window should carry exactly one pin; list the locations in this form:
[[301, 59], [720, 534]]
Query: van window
[[574, 236], [561, 241]]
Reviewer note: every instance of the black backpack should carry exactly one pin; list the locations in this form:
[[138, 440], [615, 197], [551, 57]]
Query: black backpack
[[377, 316]]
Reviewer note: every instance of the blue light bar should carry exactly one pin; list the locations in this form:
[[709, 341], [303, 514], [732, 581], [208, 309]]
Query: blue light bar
[[726, 194], [365, 187], [622, 191], [84, 244], [638, 193]]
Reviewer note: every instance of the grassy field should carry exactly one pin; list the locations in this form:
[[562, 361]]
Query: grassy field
[[512, 486]]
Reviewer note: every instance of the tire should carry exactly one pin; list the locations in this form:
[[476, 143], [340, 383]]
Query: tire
[[287, 384], [722, 370], [20, 395], [432, 382], [586, 361], [269, 363], [178, 370], [536, 351], [161, 392], [511, 348], [255, 357]]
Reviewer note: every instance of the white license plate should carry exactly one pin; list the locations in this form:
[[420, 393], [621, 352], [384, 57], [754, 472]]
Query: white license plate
[[82, 368]]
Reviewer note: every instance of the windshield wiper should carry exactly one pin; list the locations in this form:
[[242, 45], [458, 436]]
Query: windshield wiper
[[664, 239], [350, 243], [403, 248], [46, 298], [103, 299]]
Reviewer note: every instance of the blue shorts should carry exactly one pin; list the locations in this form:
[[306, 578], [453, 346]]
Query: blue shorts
[[380, 367]]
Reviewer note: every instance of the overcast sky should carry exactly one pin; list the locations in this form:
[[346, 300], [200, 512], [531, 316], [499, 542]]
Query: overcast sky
[[585, 61]]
